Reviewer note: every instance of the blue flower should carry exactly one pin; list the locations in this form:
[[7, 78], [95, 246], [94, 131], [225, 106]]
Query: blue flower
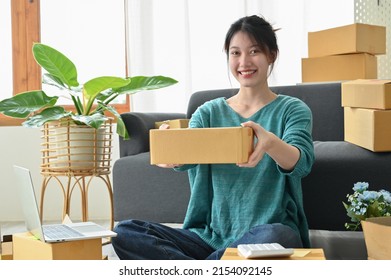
[[360, 186], [370, 195], [386, 195], [363, 204]]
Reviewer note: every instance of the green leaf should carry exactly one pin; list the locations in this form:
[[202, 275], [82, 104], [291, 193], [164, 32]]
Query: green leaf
[[351, 213], [23, 104], [373, 210], [93, 87], [121, 128], [140, 83], [95, 120], [51, 80], [56, 63], [47, 115]]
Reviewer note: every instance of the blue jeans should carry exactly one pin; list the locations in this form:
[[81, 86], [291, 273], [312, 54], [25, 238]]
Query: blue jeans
[[140, 240]]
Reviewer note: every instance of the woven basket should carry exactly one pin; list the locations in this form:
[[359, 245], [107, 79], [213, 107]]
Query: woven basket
[[76, 149]]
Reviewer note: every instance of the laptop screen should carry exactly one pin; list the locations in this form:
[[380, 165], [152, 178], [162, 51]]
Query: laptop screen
[[28, 201]]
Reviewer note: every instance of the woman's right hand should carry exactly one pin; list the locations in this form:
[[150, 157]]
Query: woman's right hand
[[167, 165]]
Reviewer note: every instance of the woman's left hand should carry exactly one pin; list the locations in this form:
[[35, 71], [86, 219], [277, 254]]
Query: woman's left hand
[[259, 150]]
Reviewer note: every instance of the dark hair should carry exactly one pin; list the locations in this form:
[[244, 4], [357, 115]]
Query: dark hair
[[259, 30]]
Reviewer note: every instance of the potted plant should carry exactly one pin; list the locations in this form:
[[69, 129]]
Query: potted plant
[[364, 204], [371, 212], [91, 100], [78, 139]]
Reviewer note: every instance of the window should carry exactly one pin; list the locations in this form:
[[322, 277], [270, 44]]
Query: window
[[90, 32]]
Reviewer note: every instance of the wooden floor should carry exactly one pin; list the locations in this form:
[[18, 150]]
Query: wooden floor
[[9, 228]]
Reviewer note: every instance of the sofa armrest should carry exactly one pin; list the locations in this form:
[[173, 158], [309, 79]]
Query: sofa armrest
[[138, 126]]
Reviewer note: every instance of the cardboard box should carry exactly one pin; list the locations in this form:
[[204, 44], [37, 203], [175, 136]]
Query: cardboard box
[[27, 247], [179, 123], [353, 38], [339, 68], [374, 94], [6, 248], [377, 235], [201, 145], [299, 254], [368, 128]]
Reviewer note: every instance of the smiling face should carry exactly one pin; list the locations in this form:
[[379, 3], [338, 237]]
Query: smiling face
[[248, 63]]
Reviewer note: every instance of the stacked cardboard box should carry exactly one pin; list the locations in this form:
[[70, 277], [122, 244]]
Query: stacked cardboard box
[[367, 113], [344, 53]]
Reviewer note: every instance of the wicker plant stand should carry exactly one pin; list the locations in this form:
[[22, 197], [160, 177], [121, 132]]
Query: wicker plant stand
[[73, 156]]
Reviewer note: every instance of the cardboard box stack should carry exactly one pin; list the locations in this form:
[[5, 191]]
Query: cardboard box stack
[[344, 53], [367, 113]]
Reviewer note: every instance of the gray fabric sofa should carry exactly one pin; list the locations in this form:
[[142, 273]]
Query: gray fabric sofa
[[142, 191]]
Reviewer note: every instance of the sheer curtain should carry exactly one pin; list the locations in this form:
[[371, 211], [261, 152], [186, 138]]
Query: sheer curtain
[[184, 39]]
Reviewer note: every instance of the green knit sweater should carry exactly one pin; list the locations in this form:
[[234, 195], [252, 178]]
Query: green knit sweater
[[226, 201]]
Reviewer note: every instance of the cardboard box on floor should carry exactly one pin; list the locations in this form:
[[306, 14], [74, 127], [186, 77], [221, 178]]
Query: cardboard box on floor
[[6, 248], [201, 145], [28, 247], [339, 68], [367, 93], [377, 235], [353, 38], [178, 123], [368, 128]]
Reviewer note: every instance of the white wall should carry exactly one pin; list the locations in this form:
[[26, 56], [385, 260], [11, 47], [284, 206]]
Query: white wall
[[94, 41], [21, 146], [191, 48], [295, 18]]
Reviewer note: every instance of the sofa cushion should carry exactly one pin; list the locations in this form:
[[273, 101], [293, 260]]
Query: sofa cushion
[[338, 166], [324, 100], [340, 245], [147, 192]]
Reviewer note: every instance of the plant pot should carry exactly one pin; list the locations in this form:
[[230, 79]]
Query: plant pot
[[377, 234], [69, 147]]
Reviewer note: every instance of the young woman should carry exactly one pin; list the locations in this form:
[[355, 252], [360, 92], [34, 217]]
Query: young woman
[[256, 202]]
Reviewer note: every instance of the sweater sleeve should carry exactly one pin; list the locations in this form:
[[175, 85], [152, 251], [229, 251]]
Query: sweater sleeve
[[298, 133]]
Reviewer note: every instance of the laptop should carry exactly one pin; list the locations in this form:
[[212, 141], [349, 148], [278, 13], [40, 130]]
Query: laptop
[[52, 232]]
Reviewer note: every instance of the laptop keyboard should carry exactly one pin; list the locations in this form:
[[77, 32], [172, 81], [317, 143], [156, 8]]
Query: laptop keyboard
[[59, 232]]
